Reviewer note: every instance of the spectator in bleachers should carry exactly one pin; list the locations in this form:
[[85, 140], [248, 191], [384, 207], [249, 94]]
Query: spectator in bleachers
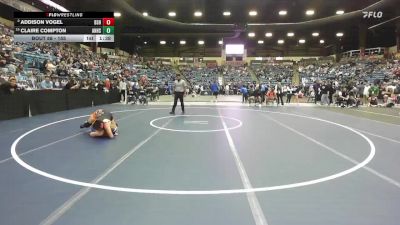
[[50, 67], [72, 84], [46, 83], [9, 86], [66, 61], [57, 83], [107, 85], [85, 85]]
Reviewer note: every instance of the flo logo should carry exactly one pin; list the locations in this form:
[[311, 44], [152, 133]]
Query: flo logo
[[372, 14]]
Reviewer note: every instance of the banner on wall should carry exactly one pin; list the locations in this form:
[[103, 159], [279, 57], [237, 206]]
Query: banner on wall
[[211, 64], [235, 63]]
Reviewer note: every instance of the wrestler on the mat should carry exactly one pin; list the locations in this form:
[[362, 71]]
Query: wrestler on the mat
[[102, 123]]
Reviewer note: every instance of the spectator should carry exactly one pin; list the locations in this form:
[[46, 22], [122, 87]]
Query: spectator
[[317, 92], [123, 89], [343, 98], [270, 96], [9, 86], [227, 89], [107, 85], [50, 66], [46, 83], [289, 94], [72, 84], [263, 90], [374, 90], [324, 94], [85, 85], [279, 93], [215, 89], [245, 94], [366, 94]]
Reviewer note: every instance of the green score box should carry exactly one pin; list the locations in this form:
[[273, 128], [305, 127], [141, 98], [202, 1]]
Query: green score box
[[108, 30]]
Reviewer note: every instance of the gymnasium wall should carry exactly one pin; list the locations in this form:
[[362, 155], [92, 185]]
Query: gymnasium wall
[[26, 103]]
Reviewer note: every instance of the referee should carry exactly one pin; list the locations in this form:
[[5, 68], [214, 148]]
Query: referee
[[179, 93]]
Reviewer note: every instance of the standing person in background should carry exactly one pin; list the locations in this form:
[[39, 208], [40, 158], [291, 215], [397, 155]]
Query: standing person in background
[[285, 90], [257, 95], [245, 93], [262, 92], [156, 93], [179, 93], [279, 93], [107, 85], [331, 91], [296, 93], [360, 90], [366, 94], [374, 90], [214, 89], [317, 92], [289, 94], [122, 86], [324, 94], [227, 89]]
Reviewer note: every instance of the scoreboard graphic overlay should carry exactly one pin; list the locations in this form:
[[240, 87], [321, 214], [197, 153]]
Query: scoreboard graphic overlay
[[64, 26]]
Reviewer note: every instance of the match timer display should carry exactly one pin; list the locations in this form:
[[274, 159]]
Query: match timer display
[[64, 26]]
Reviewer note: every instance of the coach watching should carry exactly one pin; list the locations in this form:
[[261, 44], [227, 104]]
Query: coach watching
[[179, 92]]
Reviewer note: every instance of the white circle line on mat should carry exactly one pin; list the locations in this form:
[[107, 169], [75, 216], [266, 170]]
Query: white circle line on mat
[[152, 123], [196, 192]]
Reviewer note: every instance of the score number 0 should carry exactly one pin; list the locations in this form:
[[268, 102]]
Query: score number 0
[[108, 21]]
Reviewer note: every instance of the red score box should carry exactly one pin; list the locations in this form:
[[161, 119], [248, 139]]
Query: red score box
[[108, 21]]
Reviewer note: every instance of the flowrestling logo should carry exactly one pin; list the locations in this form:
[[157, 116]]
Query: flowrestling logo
[[372, 14]]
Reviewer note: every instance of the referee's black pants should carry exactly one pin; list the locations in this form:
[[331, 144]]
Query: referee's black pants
[[178, 95], [279, 97]]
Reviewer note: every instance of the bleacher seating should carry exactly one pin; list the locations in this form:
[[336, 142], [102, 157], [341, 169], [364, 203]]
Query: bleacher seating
[[271, 73]]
